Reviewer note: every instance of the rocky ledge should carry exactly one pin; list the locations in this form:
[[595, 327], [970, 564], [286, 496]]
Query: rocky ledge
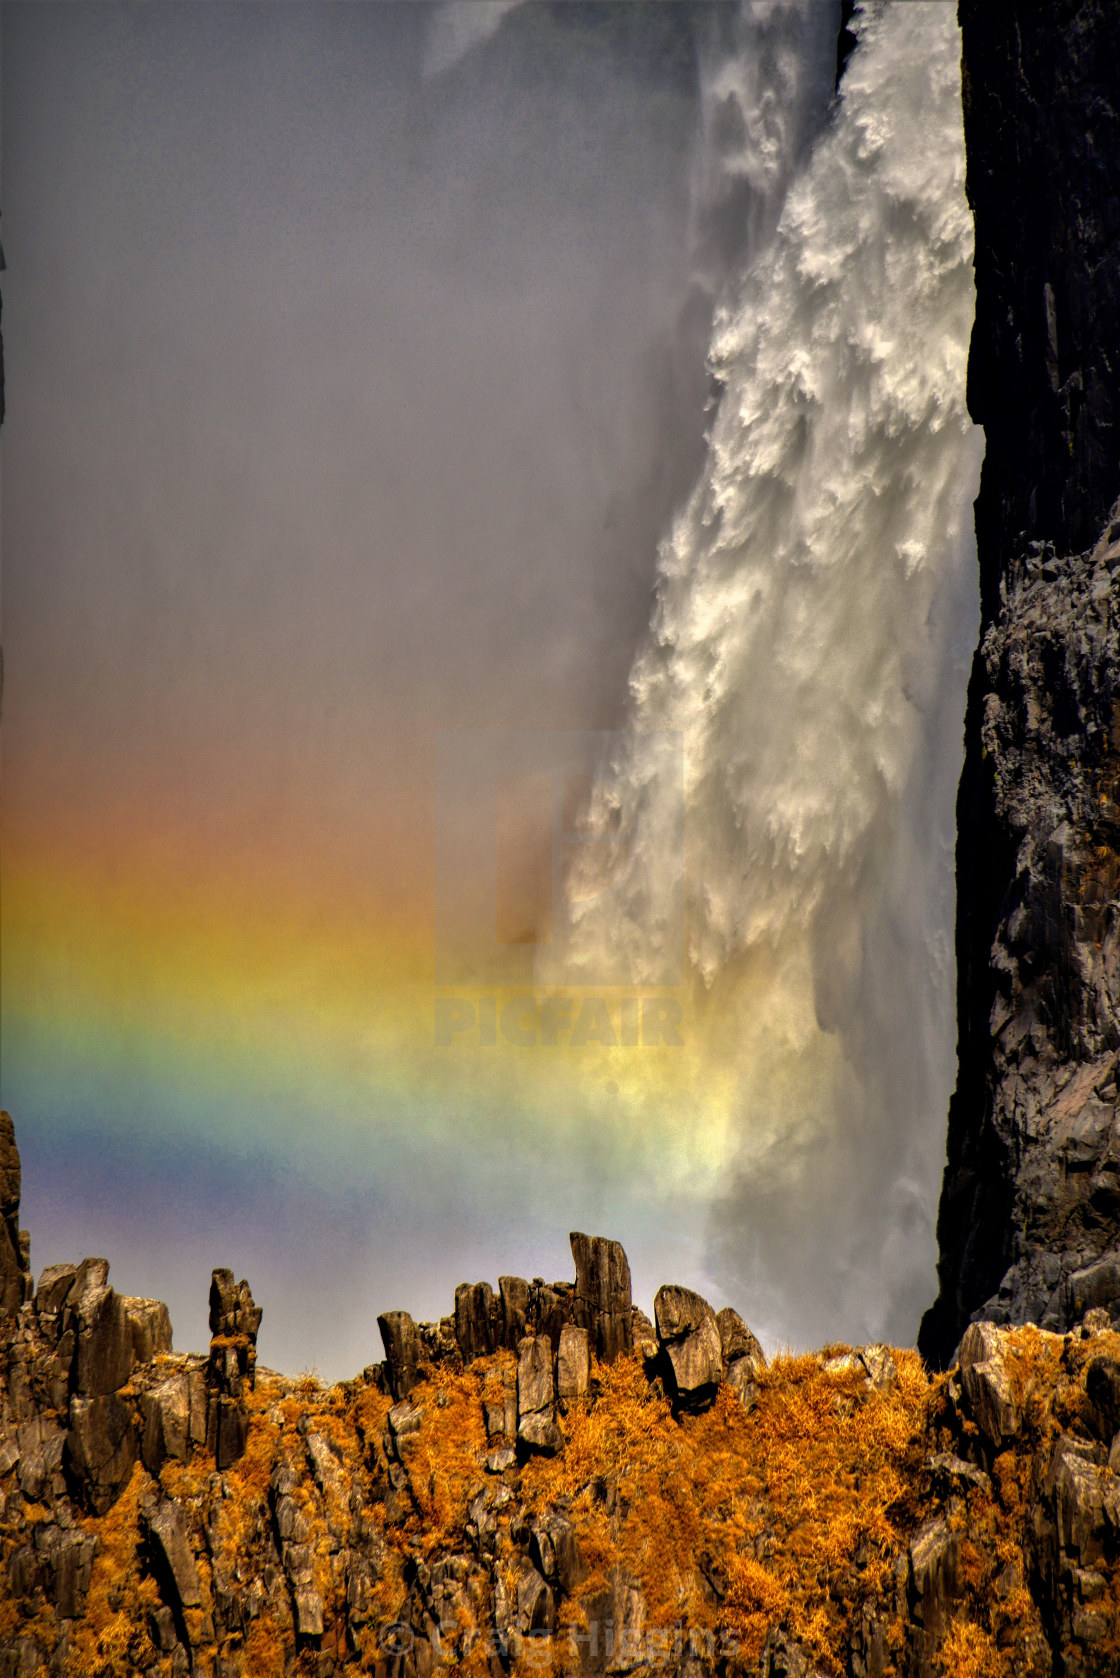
[[547, 1480]]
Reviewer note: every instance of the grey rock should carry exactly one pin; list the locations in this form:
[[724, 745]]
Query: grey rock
[[629, 1615], [552, 1307], [309, 1611], [405, 1419], [439, 1342], [166, 1415], [742, 1381], [161, 1627], [690, 1336], [54, 1285], [14, 1283], [233, 1313], [92, 1273], [359, 1591], [23, 1658], [166, 1525], [536, 1606], [103, 1361], [987, 1382], [602, 1302], [1032, 1166], [934, 1569], [1096, 1287], [678, 1312], [644, 1336], [227, 1368], [555, 1551], [509, 1403], [515, 1297], [535, 1389], [882, 1372], [950, 1474], [227, 1428], [101, 1449], [540, 1434], [783, 1657], [325, 1468], [845, 1363], [403, 1352], [72, 1557], [231, 1367], [150, 1325], [1078, 1488], [573, 1364], [737, 1341], [39, 1449], [475, 1318], [870, 1652], [1102, 1384], [494, 1416], [1089, 1583], [292, 1526]]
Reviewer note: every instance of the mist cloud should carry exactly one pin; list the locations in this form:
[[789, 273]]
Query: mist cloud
[[816, 608]]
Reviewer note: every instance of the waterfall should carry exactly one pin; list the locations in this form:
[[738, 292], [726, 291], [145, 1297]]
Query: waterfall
[[813, 618]]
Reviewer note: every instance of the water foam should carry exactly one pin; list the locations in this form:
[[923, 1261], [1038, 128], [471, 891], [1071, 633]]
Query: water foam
[[814, 613]]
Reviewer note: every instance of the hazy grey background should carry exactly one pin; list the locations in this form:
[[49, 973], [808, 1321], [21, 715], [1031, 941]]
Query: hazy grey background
[[356, 367], [351, 384]]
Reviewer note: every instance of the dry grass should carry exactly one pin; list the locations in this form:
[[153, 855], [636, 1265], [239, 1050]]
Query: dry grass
[[797, 1509], [796, 1514], [108, 1641], [968, 1652]]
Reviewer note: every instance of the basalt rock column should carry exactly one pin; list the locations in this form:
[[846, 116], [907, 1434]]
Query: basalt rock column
[[1029, 1223], [231, 1371], [15, 1282], [602, 1302]]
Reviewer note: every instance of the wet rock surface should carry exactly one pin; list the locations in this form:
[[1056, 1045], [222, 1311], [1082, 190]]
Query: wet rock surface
[[1029, 1225]]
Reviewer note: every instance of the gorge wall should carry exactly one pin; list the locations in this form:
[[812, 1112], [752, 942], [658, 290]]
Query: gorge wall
[[1029, 1225]]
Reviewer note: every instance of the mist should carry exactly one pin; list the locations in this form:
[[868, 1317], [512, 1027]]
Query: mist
[[816, 611], [365, 369]]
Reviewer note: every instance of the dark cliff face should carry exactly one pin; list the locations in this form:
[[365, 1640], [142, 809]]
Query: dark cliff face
[[1029, 1226]]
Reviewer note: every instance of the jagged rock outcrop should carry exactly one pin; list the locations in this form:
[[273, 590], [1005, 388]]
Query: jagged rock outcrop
[[231, 1370], [91, 1388], [1029, 1225], [15, 1282], [682, 1507], [690, 1337], [595, 1313], [602, 1303]]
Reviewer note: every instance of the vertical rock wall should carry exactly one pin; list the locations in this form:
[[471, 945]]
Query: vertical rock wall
[[1029, 1226]]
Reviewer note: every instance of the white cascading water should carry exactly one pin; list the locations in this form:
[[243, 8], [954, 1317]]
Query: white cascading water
[[766, 69], [815, 610]]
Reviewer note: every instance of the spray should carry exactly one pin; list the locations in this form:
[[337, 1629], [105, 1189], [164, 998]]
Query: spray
[[815, 608]]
